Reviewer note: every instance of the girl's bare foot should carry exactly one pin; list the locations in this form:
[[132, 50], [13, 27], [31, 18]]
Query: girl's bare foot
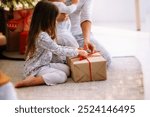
[[30, 81]]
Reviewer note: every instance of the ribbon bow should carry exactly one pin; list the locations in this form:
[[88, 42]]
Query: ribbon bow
[[90, 65]]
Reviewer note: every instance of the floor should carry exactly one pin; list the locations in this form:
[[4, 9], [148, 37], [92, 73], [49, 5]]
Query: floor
[[124, 82], [122, 39]]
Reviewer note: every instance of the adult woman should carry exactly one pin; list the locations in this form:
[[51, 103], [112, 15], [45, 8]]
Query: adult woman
[[81, 28]]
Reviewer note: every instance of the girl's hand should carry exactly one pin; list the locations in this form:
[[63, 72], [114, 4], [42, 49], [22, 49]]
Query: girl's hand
[[82, 53], [74, 1]]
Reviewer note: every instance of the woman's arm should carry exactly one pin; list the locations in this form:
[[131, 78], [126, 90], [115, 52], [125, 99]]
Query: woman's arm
[[86, 22], [86, 29]]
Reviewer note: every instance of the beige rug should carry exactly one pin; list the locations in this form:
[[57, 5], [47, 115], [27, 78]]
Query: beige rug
[[125, 81]]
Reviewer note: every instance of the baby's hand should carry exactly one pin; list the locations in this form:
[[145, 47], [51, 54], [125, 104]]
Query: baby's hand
[[62, 17], [82, 53], [74, 1]]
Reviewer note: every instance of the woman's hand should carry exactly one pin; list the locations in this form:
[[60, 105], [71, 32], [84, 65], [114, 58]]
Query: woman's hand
[[82, 53], [89, 46]]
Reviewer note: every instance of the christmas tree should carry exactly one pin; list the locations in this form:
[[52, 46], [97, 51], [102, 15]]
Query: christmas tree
[[10, 6], [17, 4]]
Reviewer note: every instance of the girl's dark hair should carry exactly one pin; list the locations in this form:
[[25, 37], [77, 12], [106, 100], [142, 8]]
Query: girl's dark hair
[[43, 19]]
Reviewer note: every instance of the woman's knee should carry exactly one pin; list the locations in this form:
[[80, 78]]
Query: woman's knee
[[103, 51], [67, 39]]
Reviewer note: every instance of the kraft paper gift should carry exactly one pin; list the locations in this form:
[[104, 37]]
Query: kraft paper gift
[[91, 69]]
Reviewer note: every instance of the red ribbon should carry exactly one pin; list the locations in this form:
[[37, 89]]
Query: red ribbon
[[90, 65], [90, 69], [24, 18]]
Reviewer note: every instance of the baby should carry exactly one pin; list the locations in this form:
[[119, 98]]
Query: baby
[[64, 35]]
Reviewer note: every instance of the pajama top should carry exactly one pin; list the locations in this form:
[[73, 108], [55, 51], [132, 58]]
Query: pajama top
[[82, 13], [47, 52]]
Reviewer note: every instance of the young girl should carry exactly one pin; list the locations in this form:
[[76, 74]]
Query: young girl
[[40, 66]]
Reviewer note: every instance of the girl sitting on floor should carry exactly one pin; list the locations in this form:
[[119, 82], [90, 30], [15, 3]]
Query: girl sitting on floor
[[41, 66]]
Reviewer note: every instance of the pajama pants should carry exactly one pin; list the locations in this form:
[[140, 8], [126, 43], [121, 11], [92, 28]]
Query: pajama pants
[[67, 39], [7, 92], [56, 73]]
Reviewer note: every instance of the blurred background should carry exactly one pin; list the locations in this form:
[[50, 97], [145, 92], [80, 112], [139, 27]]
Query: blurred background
[[115, 25], [121, 13]]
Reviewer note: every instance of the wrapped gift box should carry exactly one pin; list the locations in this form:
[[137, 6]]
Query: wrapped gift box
[[13, 41], [23, 19], [91, 69], [18, 28]]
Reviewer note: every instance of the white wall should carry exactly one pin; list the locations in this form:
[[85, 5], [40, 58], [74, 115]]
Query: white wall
[[118, 10]]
